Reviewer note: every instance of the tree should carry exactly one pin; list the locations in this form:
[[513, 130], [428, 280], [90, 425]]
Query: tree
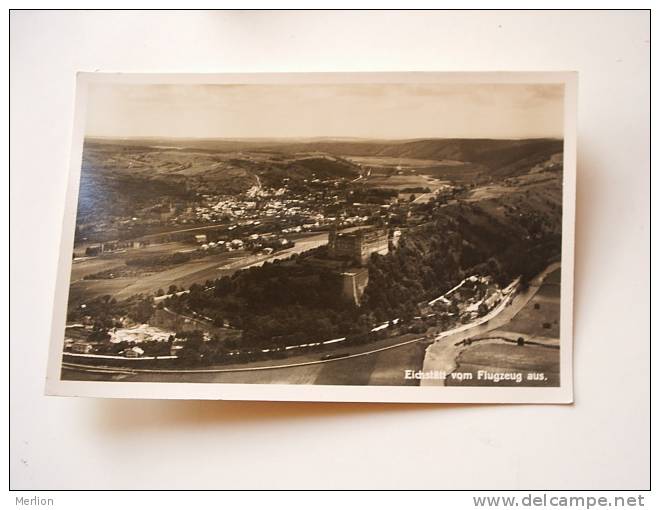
[[223, 286], [143, 310], [483, 309], [193, 346], [99, 334]]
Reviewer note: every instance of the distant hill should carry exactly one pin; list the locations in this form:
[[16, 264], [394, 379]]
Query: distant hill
[[234, 163], [317, 167], [117, 177], [502, 157]]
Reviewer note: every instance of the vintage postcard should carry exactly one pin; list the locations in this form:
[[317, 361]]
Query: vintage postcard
[[371, 237]]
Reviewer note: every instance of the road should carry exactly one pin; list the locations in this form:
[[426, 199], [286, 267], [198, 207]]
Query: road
[[179, 231], [442, 354], [302, 245], [244, 369], [423, 198]]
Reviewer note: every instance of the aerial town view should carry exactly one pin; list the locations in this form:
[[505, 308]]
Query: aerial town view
[[375, 256]]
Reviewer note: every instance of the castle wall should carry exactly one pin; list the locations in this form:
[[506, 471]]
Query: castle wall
[[375, 242], [359, 245], [354, 282]]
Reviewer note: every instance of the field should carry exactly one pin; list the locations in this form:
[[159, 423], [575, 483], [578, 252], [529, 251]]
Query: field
[[404, 181], [182, 275], [393, 162], [505, 357], [548, 182], [496, 351], [86, 267], [148, 283], [384, 368], [90, 265], [540, 317]]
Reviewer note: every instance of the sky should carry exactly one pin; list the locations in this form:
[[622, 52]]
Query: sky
[[382, 111]]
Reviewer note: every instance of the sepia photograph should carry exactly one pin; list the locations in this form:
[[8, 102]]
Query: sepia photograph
[[410, 234]]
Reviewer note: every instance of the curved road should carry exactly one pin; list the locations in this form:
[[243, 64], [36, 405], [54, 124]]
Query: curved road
[[441, 355]]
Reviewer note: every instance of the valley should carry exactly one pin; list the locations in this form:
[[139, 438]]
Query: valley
[[235, 237]]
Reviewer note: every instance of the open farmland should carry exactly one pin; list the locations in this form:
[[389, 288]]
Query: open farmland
[[540, 317], [182, 275], [399, 182], [547, 183], [87, 266], [403, 163], [496, 357], [234, 261]]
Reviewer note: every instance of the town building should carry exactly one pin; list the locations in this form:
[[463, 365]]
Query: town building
[[133, 352], [81, 347], [394, 240]]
